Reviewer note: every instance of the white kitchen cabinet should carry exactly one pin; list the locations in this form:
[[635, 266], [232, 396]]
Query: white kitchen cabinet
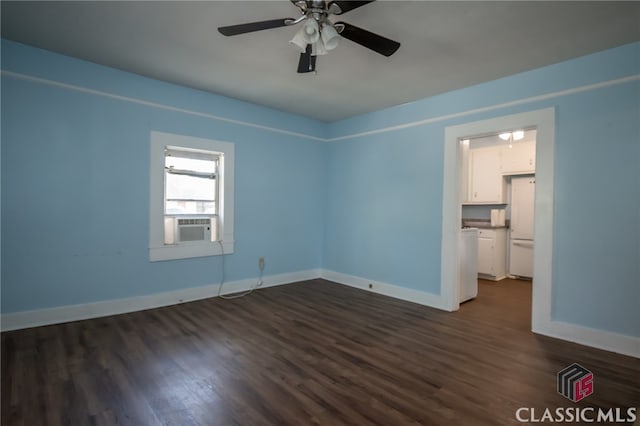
[[486, 183], [485, 254], [492, 253], [520, 158]]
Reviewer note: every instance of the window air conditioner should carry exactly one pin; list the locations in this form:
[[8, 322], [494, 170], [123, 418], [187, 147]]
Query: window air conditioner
[[194, 229]]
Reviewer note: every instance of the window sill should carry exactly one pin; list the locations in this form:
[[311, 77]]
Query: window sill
[[189, 250]]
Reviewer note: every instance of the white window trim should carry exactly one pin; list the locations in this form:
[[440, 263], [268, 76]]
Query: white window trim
[[159, 251]]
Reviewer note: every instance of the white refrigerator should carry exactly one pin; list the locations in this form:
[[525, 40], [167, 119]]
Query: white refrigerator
[[523, 190]]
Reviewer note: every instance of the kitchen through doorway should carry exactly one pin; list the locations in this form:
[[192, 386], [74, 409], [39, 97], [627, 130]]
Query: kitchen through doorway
[[497, 193], [543, 121]]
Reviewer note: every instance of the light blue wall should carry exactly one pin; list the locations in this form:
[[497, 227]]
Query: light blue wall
[[40, 63], [596, 273], [75, 185], [369, 206], [384, 214], [597, 222], [603, 66]]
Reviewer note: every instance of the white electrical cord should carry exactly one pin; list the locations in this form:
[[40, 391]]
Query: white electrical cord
[[235, 295]]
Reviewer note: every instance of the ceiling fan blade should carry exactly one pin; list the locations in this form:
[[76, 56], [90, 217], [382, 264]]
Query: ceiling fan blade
[[346, 6], [250, 27], [307, 62], [375, 42]]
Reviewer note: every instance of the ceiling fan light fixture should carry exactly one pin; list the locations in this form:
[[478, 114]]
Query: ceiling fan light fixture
[[318, 35], [518, 134], [505, 136], [311, 30], [299, 41], [318, 48], [308, 34], [329, 36]]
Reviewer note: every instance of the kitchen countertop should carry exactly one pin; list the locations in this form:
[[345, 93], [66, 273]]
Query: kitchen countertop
[[482, 224]]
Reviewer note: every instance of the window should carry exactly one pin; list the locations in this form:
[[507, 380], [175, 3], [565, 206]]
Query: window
[[191, 197]]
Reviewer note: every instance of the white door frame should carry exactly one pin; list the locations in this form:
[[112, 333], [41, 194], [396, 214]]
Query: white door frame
[[544, 122]]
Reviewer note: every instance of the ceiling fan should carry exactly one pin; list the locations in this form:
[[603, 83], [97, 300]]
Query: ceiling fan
[[318, 34]]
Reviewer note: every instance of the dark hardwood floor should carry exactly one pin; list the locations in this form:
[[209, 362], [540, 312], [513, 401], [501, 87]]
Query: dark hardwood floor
[[306, 353]]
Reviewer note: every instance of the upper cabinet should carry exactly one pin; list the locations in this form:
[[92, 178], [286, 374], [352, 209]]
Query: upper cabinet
[[486, 185], [519, 159], [486, 167]]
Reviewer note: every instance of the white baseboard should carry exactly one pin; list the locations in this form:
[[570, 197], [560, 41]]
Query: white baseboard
[[48, 316], [492, 277], [608, 341], [601, 339], [403, 293]]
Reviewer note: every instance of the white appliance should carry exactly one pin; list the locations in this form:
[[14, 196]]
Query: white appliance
[[194, 229], [523, 191], [468, 264], [497, 217]]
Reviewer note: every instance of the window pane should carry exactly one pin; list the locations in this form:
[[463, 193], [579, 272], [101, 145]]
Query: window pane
[[182, 187], [190, 207], [208, 166]]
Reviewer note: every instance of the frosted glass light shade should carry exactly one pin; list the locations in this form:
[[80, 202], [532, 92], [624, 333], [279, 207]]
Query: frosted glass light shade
[[516, 135], [299, 40], [329, 37], [311, 30], [318, 48], [308, 34]]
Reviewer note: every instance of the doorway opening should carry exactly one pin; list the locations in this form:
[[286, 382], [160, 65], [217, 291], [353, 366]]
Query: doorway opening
[[497, 190], [543, 123]]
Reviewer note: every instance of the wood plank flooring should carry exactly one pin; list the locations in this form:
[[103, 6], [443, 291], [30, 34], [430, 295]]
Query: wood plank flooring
[[300, 354]]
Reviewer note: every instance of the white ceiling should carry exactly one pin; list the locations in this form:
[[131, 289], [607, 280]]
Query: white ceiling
[[445, 46]]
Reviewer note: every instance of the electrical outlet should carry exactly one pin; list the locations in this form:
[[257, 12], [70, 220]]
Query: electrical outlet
[[261, 263]]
